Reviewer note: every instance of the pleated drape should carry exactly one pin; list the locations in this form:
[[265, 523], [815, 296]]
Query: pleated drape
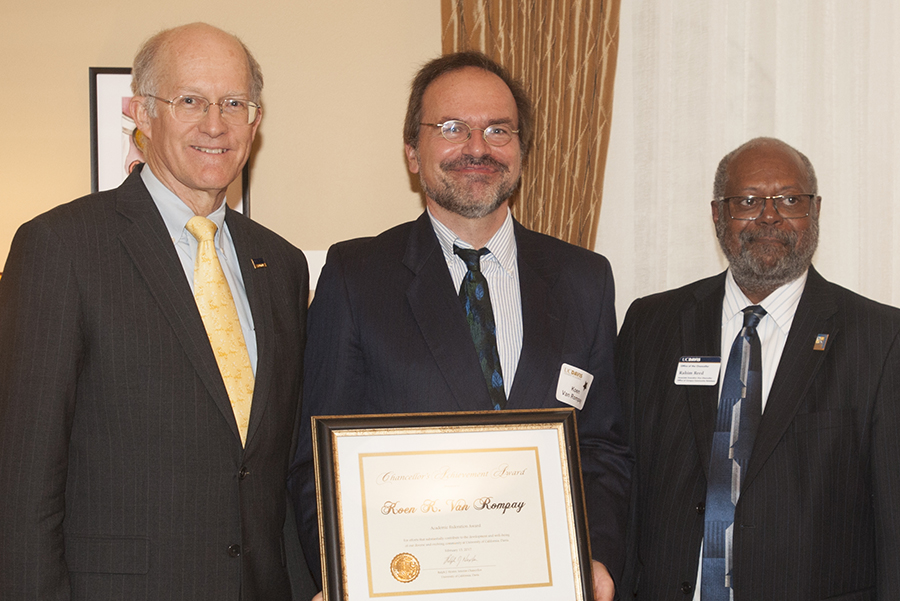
[[565, 53]]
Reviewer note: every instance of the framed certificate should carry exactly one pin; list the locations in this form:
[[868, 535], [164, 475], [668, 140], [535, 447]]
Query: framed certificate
[[486, 505]]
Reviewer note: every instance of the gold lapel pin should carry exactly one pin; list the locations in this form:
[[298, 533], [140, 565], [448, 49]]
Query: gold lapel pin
[[821, 341], [258, 263]]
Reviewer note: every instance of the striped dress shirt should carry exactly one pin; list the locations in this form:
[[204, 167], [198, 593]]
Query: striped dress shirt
[[501, 270]]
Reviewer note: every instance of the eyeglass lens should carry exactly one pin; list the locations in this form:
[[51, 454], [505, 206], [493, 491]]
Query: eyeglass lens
[[459, 131], [233, 111], [793, 206]]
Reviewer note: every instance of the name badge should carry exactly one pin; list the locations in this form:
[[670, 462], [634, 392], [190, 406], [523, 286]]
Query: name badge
[[574, 385], [698, 371]]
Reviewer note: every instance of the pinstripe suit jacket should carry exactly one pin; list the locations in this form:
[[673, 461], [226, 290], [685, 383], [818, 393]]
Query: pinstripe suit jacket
[[388, 335], [819, 511], [122, 471]]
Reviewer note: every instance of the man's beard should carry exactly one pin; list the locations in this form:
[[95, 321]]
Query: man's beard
[[459, 198], [750, 270]]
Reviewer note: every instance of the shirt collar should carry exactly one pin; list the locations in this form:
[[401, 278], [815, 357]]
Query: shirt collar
[[780, 305], [502, 245], [174, 212]]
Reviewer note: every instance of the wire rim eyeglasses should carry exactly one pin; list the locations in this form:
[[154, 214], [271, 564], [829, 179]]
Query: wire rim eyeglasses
[[788, 206], [191, 109], [458, 132]]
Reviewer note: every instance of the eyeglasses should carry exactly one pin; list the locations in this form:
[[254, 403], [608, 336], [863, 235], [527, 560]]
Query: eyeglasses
[[234, 111], [458, 132], [748, 208]]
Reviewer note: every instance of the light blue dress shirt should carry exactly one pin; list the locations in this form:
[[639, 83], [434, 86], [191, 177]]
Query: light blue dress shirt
[[176, 214]]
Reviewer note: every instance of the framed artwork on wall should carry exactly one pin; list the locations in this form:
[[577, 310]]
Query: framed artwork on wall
[[116, 145]]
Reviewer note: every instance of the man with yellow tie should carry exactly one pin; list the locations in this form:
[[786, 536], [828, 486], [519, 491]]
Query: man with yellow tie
[[151, 344]]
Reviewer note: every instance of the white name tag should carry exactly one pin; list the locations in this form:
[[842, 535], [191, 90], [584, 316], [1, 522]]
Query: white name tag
[[574, 385], [698, 371]]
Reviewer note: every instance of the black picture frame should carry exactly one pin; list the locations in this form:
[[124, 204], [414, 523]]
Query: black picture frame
[[328, 431], [109, 162]]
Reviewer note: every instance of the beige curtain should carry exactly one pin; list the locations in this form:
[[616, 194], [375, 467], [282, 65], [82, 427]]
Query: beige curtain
[[565, 53], [693, 82]]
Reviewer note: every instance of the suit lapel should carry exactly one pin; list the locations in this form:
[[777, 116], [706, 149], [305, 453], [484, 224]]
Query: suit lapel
[[441, 319], [798, 366], [259, 296], [148, 243], [701, 327], [543, 322]]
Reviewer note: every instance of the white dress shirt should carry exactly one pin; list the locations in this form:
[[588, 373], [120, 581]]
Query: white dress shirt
[[773, 330]]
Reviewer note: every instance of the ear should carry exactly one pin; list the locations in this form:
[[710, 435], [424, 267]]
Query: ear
[[255, 125], [412, 160], [138, 105], [715, 211]]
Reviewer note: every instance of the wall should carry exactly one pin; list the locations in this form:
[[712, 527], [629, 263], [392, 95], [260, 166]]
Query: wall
[[329, 160]]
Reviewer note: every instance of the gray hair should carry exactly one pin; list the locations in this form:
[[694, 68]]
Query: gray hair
[[147, 72], [721, 179]]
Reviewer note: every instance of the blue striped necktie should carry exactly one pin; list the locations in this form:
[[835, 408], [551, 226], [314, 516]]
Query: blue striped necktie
[[740, 411], [476, 299]]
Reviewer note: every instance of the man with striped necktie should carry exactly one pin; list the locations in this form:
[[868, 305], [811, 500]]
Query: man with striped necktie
[[763, 405]]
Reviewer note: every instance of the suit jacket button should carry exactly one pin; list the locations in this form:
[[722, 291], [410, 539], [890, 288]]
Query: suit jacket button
[[687, 588], [701, 507], [234, 550], [243, 473]]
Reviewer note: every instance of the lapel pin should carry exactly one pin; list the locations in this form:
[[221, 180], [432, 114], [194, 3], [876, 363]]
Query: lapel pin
[[258, 263], [821, 341]]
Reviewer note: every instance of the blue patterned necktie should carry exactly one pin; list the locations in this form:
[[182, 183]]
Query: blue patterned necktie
[[476, 300], [740, 411]]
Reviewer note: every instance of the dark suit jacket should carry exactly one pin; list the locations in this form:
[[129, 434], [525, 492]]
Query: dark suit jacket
[[819, 512], [387, 334], [122, 471]]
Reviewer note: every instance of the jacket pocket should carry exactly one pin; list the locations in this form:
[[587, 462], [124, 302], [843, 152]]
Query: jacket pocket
[[822, 420], [108, 554], [863, 595]]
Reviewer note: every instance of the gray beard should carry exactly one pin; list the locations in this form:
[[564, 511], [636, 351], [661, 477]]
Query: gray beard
[[754, 275], [460, 200]]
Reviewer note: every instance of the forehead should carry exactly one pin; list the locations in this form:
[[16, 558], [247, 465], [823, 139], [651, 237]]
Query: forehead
[[766, 167], [204, 61], [469, 94]]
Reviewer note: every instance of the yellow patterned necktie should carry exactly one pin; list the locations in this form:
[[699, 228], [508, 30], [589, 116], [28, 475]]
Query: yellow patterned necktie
[[213, 296]]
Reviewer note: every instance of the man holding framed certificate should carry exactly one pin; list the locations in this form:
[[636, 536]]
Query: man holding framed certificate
[[465, 309]]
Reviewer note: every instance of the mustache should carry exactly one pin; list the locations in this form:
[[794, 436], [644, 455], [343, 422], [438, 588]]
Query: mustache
[[788, 238], [470, 161]]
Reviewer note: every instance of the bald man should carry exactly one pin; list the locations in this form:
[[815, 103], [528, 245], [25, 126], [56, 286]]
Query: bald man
[[141, 457], [764, 406]]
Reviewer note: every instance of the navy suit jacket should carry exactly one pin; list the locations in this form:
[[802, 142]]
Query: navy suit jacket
[[819, 511], [387, 334], [122, 471]]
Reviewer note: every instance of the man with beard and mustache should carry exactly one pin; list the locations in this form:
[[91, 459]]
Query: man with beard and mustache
[[789, 492], [389, 331]]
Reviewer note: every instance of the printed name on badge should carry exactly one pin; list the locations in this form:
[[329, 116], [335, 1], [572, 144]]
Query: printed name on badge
[[574, 385], [698, 371]]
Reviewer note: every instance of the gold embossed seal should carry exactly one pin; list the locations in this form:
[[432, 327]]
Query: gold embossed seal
[[405, 567]]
